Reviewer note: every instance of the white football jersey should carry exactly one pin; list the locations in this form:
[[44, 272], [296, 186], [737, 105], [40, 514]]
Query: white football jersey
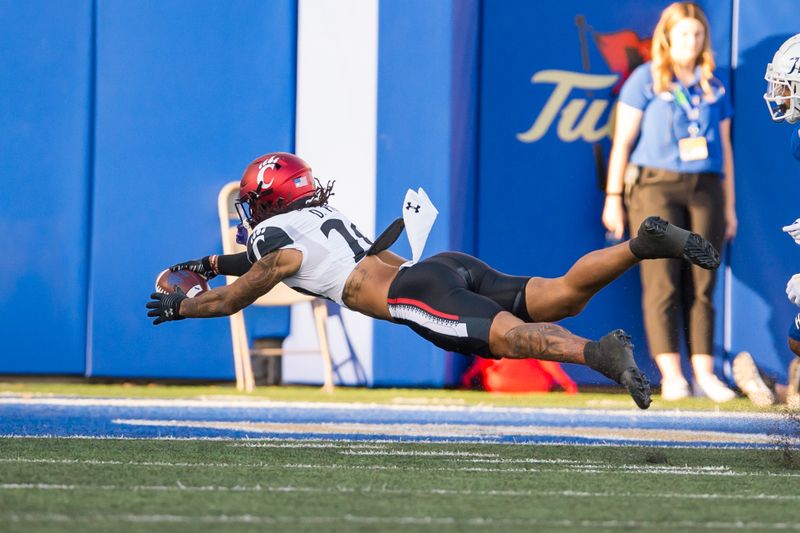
[[330, 243]]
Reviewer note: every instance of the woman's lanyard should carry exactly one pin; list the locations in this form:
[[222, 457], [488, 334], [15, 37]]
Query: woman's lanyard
[[692, 110], [694, 147]]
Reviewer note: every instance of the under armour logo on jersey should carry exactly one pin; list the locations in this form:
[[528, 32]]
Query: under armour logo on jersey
[[267, 164], [409, 207], [797, 321]]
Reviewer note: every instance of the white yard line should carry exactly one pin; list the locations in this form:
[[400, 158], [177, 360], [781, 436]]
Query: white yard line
[[99, 462], [396, 492], [462, 457], [310, 445], [588, 467], [481, 522], [580, 468], [422, 453]]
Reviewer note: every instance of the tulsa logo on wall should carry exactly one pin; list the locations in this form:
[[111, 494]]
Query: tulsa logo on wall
[[622, 51]]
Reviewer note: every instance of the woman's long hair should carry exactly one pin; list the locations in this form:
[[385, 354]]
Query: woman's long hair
[[661, 66]]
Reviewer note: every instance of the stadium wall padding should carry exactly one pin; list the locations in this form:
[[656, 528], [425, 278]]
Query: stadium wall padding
[[337, 48], [187, 95], [539, 207], [763, 258], [537, 151], [464, 127], [135, 114], [415, 134], [45, 129]]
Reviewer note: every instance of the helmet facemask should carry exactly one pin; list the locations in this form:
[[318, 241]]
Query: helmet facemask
[[783, 82], [252, 212], [243, 209], [782, 97]]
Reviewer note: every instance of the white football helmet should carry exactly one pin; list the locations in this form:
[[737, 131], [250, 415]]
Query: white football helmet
[[783, 82]]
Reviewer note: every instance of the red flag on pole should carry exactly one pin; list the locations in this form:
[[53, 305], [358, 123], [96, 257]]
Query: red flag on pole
[[623, 52]]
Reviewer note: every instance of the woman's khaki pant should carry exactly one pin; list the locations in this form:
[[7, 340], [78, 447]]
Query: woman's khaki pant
[[676, 295]]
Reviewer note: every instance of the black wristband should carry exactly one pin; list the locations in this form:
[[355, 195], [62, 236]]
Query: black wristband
[[207, 267], [233, 264]]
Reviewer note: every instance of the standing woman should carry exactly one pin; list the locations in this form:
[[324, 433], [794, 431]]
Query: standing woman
[[672, 157]]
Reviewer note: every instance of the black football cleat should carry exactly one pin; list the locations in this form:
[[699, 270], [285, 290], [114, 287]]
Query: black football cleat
[[658, 239], [638, 386], [612, 356]]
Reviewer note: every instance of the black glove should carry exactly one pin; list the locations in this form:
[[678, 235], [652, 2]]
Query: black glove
[[206, 266], [165, 306]]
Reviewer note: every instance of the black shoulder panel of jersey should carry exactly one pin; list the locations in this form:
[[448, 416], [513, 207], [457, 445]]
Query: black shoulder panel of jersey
[[266, 240]]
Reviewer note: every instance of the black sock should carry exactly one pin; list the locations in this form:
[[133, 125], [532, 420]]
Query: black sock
[[592, 355]]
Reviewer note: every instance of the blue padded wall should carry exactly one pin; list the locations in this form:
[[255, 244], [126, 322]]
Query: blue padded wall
[[45, 93], [539, 207], [131, 115], [414, 128], [719, 20], [763, 258], [188, 93], [464, 191], [464, 124]]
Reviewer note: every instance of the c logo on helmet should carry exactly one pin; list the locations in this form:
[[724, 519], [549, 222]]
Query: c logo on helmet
[[262, 167]]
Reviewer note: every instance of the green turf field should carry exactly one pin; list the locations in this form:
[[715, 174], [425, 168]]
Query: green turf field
[[53, 484], [151, 485]]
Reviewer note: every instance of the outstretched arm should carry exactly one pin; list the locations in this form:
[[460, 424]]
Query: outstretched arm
[[223, 301], [262, 276]]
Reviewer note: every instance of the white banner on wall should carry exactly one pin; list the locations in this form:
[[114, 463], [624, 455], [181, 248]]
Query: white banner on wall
[[337, 78]]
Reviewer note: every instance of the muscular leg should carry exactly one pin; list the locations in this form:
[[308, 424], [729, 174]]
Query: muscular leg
[[612, 355], [511, 337], [551, 299]]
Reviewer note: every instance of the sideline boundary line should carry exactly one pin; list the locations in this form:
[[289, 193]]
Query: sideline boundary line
[[255, 441], [269, 404]]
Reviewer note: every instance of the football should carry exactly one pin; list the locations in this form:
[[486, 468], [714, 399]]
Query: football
[[190, 282]]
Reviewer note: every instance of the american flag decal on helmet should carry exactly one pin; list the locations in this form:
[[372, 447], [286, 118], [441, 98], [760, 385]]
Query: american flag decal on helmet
[[302, 181]]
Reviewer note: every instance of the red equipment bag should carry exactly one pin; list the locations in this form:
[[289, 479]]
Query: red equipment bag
[[518, 375]]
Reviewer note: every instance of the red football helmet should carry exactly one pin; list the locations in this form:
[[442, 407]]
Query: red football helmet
[[271, 183]]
